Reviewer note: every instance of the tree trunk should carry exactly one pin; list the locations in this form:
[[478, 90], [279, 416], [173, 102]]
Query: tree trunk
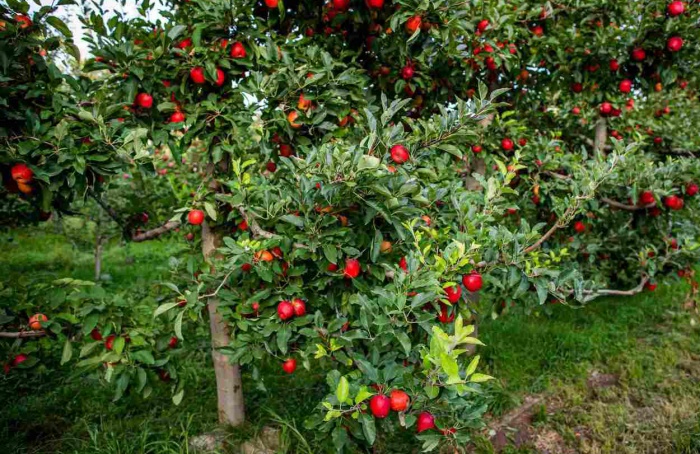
[[601, 136], [229, 388], [98, 251]]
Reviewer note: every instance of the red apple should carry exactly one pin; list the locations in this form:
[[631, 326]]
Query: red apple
[[109, 342], [21, 173], [375, 4], [220, 77], [272, 4], [674, 43], [299, 307], [403, 264], [675, 8], [646, 198], [197, 75], [580, 227], [577, 87], [472, 281], [238, 50], [19, 359], [195, 217], [144, 100], [477, 149], [507, 144], [482, 25], [407, 72], [177, 117], [691, 189], [172, 343], [425, 422], [352, 268], [341, 5], [285, 310], [626, 86], [413, 23], [453, 293], [605, 108], [399, 154], [399, 400], [639, 54], [95, 334], [380, 405], [289, 366], [614, 65], [673, 202], [332, 267], [444, 316]]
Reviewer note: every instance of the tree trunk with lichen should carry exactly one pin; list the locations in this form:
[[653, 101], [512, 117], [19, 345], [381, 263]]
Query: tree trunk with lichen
[[229, 387]]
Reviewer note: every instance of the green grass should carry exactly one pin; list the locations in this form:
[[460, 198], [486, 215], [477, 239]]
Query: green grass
[[648, 341]]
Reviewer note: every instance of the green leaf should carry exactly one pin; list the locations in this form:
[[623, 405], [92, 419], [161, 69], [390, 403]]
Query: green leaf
[[176, 31], [211, 211], [119, 344], [449, 365], [368, 428], [331, 252], [343, 390], [283, 336], [164, 308], [479, 378], [177, 398], [368, 162], [67, 352], [59, 25], [472, 365], [362, 395], [405, 341], [292, 219], [143, 356]]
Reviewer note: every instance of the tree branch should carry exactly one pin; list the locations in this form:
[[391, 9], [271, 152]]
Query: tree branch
[[154, 233], [593, 294], [108, 209], [256, 230], [542, 239], [23, 334], [625, 207]]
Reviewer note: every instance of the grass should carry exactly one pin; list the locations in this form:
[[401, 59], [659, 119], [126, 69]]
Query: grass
[[647, 342]]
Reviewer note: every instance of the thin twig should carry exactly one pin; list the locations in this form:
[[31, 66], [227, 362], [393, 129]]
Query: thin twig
[[154, 233], [625, 207], [593, 294], [216, 292], [23, 334]]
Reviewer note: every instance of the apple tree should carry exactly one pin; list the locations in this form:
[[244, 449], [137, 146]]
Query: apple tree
[[368, 179]]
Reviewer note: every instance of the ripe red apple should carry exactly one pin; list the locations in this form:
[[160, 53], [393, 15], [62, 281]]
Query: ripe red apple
[[144, 100], [286, 150], [177, 117], [195, 217], [472, 281], [407, 72], [676, 8], [272, 4], [646, 198], [626, 86], [341, 5], [651, 286], [614, 65], [453, 293], [638, 54], [605, 108], [658, 140], [172, 343], [220, 77], [332, 267], [271, 166], [577, 87], [399, 400], [375, 4], [23, 21], [537, 30], [507, 144], [21, 173], [197, 75], [109, 342], [673, 202], [403, 264], [579, 226], [691, 189], [285, 310], [576, 111], [522, 142], [413, 23], [399, 154], [477, 149], [95, 334], [380, 405], [482, 25], [256, 307], [444, 316], [184, 44], [19, 359], [299, 307], [425, 422], [674, 43], [36, 320], [289, 366], [238, 50], [352, 268], [189, 236]]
